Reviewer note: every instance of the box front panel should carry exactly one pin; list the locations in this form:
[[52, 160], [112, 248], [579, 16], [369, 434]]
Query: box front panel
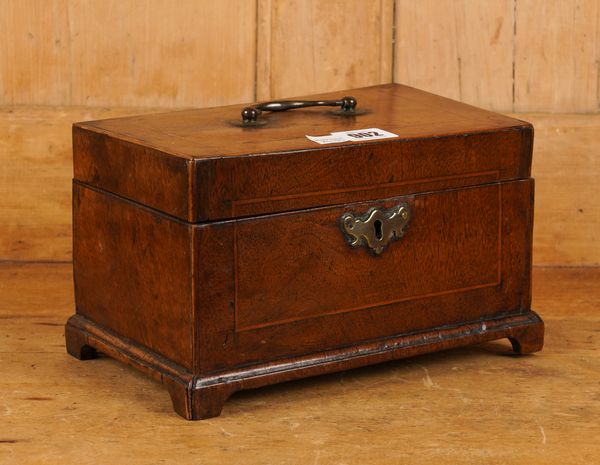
[[451, 244], [290, 284]]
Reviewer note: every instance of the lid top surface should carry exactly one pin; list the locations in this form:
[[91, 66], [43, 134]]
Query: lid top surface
[[209, 133]]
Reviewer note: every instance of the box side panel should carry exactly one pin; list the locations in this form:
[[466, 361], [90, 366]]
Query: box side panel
[[289, 284], [139, 173], [132, 270]]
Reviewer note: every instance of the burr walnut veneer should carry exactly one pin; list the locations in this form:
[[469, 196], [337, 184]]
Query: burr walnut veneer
[[216, 258]]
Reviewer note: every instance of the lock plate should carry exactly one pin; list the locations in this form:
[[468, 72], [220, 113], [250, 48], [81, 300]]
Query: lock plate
[[376, 228]]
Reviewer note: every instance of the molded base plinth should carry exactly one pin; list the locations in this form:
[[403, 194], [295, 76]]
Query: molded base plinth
[[199, 397]]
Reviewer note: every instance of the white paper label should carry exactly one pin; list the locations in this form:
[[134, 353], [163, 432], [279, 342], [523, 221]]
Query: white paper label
[[354, 135]]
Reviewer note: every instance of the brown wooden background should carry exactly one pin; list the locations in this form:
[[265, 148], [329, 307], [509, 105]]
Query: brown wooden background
[[69, 60]]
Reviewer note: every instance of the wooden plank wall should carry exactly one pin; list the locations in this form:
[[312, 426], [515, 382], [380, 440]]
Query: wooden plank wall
[[523, 56], [137, 53], [68, 60]]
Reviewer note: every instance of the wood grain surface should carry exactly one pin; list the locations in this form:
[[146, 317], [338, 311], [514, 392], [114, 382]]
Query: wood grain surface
[[506, 55], [127, 52], [138, 268], [566, 165], [459, 49], [290, 265], [314, 46], [557, 56], [473, 405], [521, 55]]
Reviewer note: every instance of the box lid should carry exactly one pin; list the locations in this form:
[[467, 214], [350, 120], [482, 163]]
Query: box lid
[[197, 166]]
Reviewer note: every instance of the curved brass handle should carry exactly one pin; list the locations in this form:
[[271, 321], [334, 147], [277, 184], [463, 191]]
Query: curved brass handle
[[376, 228], [250, 114]]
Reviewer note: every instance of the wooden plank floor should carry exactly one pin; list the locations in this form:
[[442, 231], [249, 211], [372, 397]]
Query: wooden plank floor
[[472, 405]]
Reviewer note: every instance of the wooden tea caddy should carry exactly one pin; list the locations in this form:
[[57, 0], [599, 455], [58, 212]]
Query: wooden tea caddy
[[217, 255]]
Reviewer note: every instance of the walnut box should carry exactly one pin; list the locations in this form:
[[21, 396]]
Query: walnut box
[[216, 255]]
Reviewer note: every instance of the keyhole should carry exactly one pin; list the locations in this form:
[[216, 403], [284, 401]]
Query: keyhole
[[378, 232]]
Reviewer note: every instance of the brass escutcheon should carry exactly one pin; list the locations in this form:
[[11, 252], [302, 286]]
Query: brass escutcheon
[[376, 228]]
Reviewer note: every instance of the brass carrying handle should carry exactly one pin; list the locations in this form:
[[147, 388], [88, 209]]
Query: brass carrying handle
[[376, 228], [250, 114]]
